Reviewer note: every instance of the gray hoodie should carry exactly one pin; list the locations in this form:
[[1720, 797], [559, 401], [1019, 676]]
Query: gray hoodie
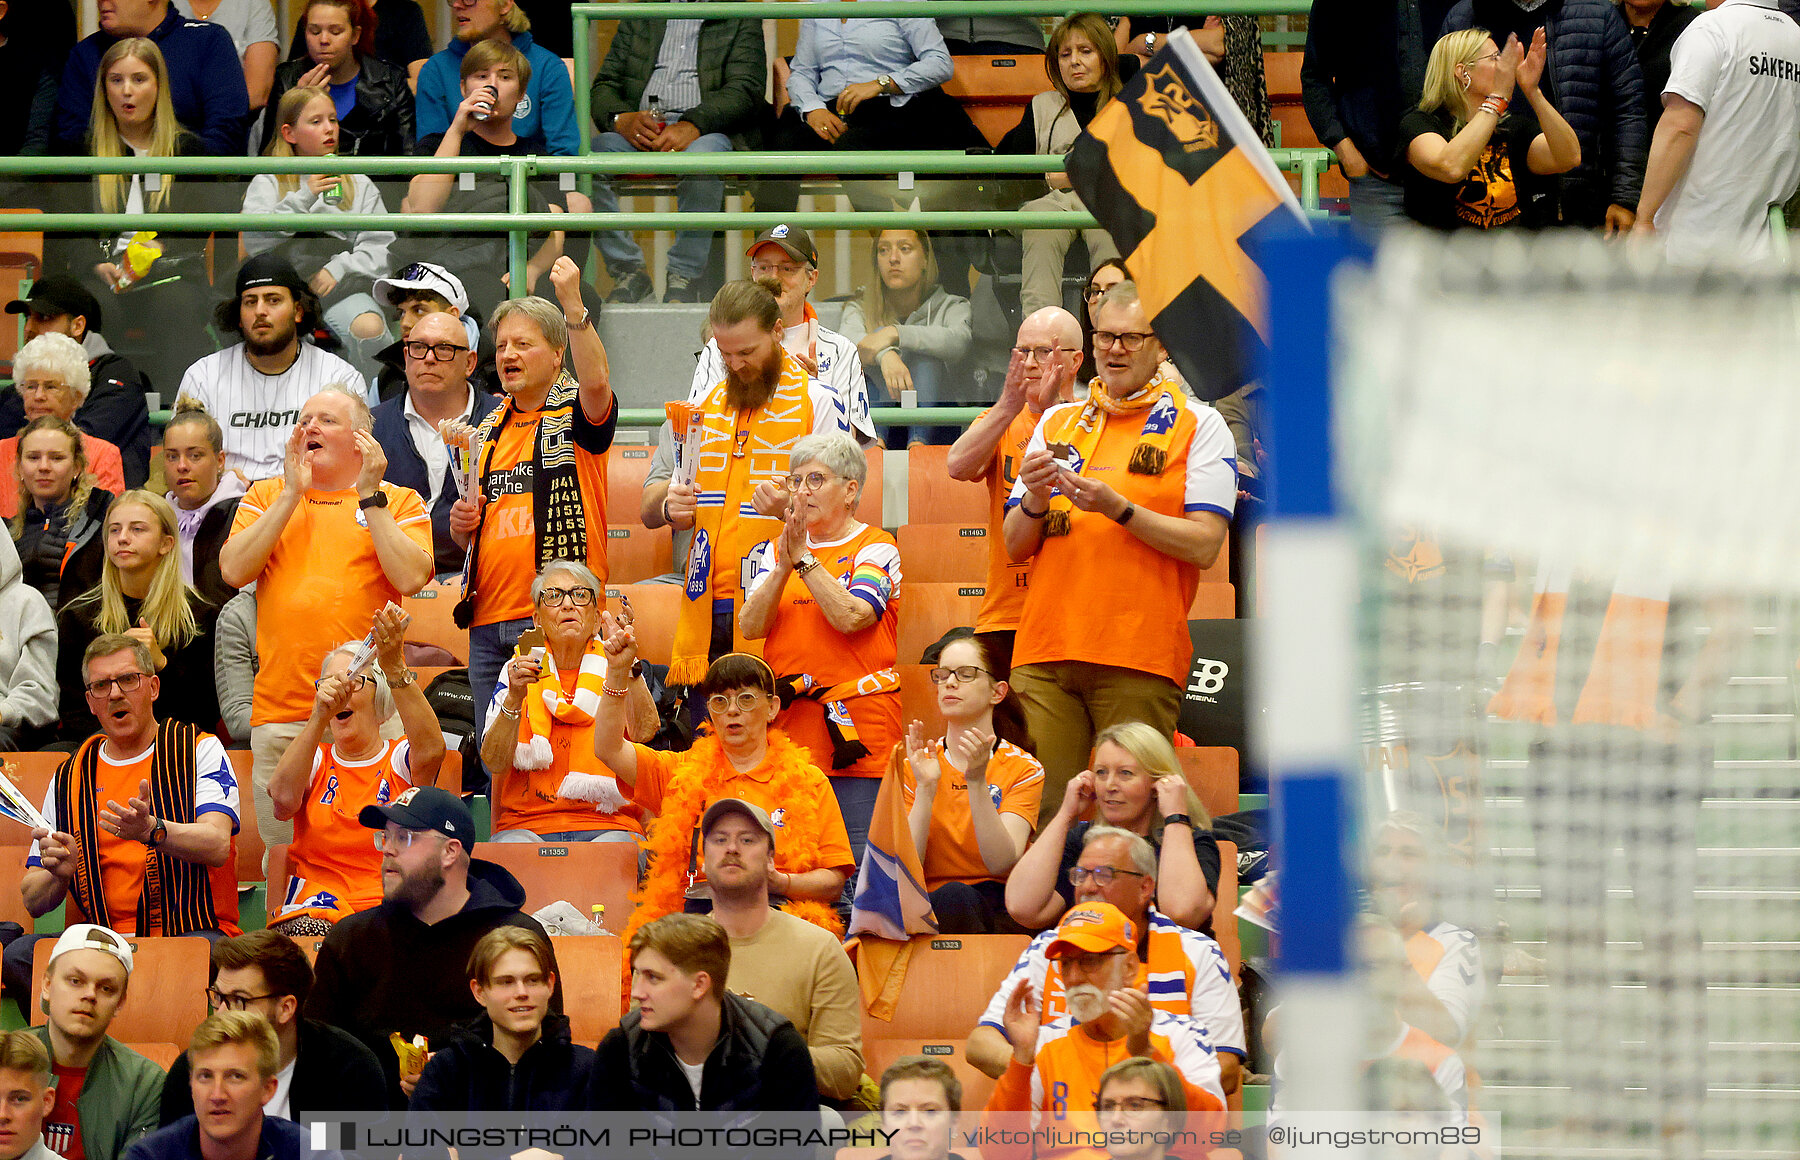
[[27, 647]]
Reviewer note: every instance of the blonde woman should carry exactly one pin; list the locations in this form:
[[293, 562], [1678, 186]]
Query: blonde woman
[[339, 265], [1469, 164], [907, 328], [1135, 783], [61, 511], [141, 594]]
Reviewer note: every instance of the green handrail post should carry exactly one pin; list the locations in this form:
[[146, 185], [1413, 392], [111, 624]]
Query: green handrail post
[[516, 204]]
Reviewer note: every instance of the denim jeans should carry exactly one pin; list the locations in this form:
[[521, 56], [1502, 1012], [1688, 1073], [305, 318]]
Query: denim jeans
[[687, 257]]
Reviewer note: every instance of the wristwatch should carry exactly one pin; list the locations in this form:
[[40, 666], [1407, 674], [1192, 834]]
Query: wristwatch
[[1171, 819], [586, 320], [1150, 41], [805, 563], [408, 678], [158, 833], [886, 84], [1124, 517], [378, 500]]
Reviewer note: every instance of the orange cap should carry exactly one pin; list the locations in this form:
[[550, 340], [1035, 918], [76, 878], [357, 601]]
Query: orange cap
[[1092, 928]]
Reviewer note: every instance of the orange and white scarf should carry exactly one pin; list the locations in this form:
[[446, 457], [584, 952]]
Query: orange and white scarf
[[546, 705], [1081, 428]]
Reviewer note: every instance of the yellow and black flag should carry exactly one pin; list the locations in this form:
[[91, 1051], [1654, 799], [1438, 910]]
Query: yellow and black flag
[[1175, 174]]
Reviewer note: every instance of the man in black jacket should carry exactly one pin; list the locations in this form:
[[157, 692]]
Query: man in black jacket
[[1594, 81], [114, 409], [670, 86], [1655, 27], [398, 969], [750, 1058], [439, 362], [322, 1068]]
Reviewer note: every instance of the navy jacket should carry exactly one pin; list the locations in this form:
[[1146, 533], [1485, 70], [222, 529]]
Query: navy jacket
[[281, 1140], [467, 1074], [759, 1063], [206, 79], [1594, 81], [406, 467]]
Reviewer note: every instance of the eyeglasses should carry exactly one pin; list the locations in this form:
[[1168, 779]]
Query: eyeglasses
[[554, 597], [744, 702], [228, 1002], [128, 683], [1092, 292], [1132, 340], [359, 681], [1495, 55], [440, 351], [784, 269], [1102, 875], [963, 674], [811, 481], [399, 839], [1131, 1104], [1034, 353]]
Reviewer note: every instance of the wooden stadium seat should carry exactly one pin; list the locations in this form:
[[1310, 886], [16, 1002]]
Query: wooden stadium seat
[[1220, 571], [943, 554], [249, 839], [432, 609], [1282, 72], [162, 1055], [880, 1054], [918, 699], [592, 972], [1213, 772], [932, 497], [948, 984], [655, 608], [1224, 919], [167, 998], [928, 611], [12, 871], [1211, 602], [994, 91], [581, 873], [31, 772], [21, 263], [626, 468], [868, 502], [634, 552]]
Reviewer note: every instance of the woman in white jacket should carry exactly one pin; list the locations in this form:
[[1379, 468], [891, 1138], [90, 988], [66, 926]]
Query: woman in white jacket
[[27, 658], [340, 266]]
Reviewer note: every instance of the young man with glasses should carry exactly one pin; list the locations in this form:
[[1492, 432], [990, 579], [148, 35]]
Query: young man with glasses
[[1054, 1067], [401, 967], [106, 1093], [440, 362], [1040, 375], [320, 1068], [1182, 971], [1126, 495], [141, 822], [329, 544]]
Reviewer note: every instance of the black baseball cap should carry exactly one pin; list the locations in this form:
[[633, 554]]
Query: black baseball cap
[[794, 241], [59, 295], [424, 807], [269, 270]]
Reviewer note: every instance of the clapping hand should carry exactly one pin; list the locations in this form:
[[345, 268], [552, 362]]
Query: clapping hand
[[921, 755]]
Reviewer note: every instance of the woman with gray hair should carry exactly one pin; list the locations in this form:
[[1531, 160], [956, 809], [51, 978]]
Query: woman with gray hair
[[538, 739], [341, 763], [826, 598], [51, 375]]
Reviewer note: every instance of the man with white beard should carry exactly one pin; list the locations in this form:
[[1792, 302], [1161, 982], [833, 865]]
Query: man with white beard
[[1055, 1067]]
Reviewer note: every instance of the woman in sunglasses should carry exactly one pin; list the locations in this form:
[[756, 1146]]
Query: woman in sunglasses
[[825, 598], [1136, 784], [339, 763], [538, 742], [971, 794]]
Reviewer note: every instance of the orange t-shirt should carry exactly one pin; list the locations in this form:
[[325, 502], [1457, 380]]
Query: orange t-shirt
[[525, 799], [1006, 581], [333, 866], [801, 640], [508, 560], [657, 768], [1015, 782], [322, 586], [1075, 609], [122, 863]]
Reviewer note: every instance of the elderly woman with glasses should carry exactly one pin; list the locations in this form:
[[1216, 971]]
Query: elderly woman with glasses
[[1135, 783], [339, 763], [825, 599], [538, 740], [51, 375], [972, 794]]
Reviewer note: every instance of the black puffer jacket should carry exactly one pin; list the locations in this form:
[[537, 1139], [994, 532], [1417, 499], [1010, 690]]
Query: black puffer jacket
[[380, 124], [1593, 80], [759, 1063], [468, 1075]]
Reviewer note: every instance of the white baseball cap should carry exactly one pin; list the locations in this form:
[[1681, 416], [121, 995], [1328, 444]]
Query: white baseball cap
[[89, 937], [423, 276]]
